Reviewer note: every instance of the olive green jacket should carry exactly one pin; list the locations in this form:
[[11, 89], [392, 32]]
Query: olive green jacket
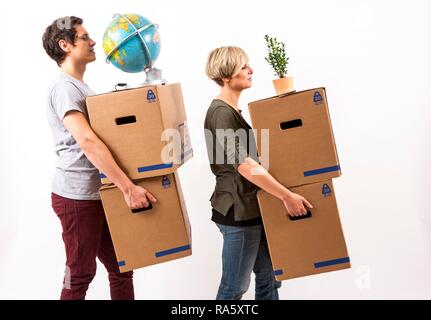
[[229, 141]]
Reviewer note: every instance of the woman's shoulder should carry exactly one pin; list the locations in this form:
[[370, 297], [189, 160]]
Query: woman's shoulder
[[220, 107], [218, 111], [218, 103]]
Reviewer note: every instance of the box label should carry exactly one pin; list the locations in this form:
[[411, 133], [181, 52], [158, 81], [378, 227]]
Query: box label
[[326, 190], [166, 183], [317, 98], [151, 97]]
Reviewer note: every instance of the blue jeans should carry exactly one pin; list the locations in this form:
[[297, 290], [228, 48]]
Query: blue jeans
[[245, 250]]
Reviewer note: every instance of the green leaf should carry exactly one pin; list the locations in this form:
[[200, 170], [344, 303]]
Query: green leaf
[[277, 56]]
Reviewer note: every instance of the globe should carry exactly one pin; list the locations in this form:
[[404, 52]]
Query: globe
[[131, 43]]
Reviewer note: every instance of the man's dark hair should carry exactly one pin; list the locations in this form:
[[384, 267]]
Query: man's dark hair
[[60, 29]]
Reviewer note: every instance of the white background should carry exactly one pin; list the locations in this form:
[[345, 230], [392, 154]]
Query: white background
[[372, 56]]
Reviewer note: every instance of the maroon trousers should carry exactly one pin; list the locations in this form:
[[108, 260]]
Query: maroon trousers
[[86, 236]]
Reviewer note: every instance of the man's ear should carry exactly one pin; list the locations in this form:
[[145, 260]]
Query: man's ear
[[64, 45]]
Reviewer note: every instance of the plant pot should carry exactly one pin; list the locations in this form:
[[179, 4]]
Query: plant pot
[[283, 85]]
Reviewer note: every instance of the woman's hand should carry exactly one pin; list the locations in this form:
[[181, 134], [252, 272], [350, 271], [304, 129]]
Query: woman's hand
[[295, 204]]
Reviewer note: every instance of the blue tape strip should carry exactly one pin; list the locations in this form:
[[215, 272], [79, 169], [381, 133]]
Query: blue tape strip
[[121, 263], [171, 251], [320, 171], [322, 264], [148, 168], [155, 167], [278, 272]]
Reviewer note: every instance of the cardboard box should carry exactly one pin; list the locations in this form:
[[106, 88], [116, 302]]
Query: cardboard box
[[306, 246], [135, 123], [144, 238], [301, 147]]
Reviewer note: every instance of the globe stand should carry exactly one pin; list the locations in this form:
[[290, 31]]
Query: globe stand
[[154, 76]]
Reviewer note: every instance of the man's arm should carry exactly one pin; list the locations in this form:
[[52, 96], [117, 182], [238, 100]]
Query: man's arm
[[100, 156]]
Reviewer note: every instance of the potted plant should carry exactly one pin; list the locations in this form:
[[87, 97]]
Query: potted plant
[[278, 60]]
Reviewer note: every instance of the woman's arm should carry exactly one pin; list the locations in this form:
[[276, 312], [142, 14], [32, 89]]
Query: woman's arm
[[255, 173]]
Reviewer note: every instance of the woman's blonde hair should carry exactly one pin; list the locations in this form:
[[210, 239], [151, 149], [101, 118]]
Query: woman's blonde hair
[[225, 63]]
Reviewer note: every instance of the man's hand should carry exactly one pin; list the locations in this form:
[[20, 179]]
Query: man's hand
[[294, 204], [137, 197]]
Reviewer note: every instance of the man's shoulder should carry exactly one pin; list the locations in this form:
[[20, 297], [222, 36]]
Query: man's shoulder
[[61, 82], [64, 84]]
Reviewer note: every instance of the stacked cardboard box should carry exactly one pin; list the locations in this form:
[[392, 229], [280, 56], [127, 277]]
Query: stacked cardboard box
[[146, 131], [301, 154]]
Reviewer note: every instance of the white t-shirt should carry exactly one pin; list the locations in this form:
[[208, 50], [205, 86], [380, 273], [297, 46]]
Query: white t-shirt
[[75, 176]]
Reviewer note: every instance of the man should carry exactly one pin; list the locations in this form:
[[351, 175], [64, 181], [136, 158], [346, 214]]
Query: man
[[75, 197]]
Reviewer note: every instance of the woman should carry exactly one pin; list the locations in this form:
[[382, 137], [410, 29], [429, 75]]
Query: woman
[[230, 144]]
